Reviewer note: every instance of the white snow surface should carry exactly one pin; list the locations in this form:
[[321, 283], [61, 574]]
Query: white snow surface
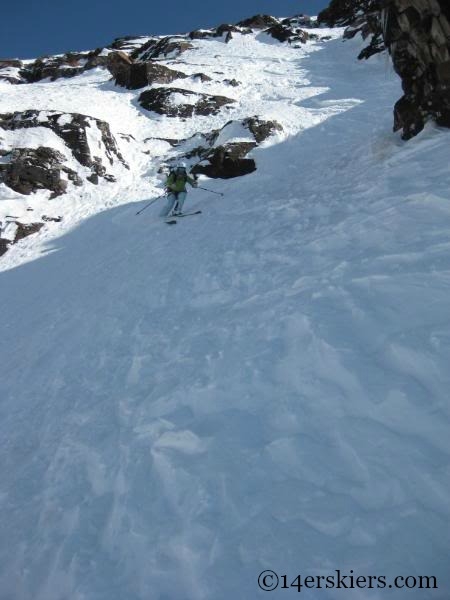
[[234, 132], [262, 386], [177, 99]]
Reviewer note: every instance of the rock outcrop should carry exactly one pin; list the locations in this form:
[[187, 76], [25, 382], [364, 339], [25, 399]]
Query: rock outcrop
[[167, 47], [260, 129], [76, 131], [29, 170], [4, 244], [21, 230], [130, 43], [258, 22], [369, 26], [227, 161], [52, 68], [11, 76], [360, 16], [24, 230], [223, 153], [11, 62], [301, 20], [417, 33], [67, 65], [10, 71], [284, 30], [138, 74], [288, 32], [224, 29], [84, 150], [201, 77], [232, 82], [176, 102]]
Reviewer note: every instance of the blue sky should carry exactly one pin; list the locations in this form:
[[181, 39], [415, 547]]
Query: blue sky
[[32, 28]]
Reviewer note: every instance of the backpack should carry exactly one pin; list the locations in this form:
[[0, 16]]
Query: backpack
[[178, 176]]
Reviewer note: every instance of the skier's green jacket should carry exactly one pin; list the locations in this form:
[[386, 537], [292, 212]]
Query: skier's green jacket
[[177, 183]]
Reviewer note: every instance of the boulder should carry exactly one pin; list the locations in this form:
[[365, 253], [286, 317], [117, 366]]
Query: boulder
[[11, 62], [29, 170], [4, 244], [218, 158], [201, 77], [229, 29], [95, 59], [232, 82], [287, 33], [129, 42], [118, 58], [67, 65], [258, 22], [176, 102], [300, 20], [53, 72], [13, 79], [22, 230], [167, 47], [200, 34], [51, 219], [75, 130], [227, 161], [10, 71], [134, 75], [51, 68], [261, 129]]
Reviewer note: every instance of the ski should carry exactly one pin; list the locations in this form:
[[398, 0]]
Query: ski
[[173, 220], [197, 212]]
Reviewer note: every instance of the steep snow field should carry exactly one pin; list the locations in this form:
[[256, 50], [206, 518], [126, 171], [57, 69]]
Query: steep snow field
[[262, 386]]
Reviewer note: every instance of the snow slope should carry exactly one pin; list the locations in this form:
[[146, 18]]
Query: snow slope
[[263, 386]]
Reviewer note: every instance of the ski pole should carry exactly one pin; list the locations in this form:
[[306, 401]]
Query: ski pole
[[150, 203], [212, 191]]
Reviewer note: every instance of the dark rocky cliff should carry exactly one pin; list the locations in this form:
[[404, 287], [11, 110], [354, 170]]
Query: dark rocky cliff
[[360, 16], [417, 34]]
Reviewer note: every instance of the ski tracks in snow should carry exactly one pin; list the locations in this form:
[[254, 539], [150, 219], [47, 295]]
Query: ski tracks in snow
[[262, 387]]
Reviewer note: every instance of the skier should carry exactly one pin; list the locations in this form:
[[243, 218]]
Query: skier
[[176, 188]]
